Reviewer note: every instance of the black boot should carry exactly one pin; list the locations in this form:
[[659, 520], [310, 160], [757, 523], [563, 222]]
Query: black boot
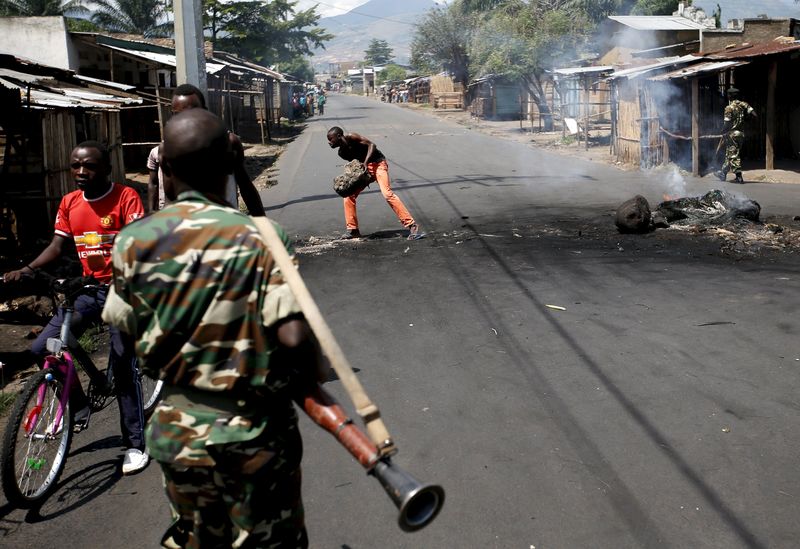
[[739, 178]]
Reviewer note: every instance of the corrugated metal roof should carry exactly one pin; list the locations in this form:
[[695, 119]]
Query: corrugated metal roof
[[708, 66], [635, 72], [106, 83], [50, 92], [745, 51], [656, 22], [66, 97], [161, 58], [243, 64], [568, 71]]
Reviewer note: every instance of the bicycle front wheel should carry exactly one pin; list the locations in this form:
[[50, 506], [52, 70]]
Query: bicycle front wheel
[[35, 445], [151, 392]]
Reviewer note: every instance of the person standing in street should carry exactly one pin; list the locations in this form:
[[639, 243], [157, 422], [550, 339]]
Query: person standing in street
[[321, 100], [732, 133], [187, 97], [353, 146], [92, 218], [213, 317]]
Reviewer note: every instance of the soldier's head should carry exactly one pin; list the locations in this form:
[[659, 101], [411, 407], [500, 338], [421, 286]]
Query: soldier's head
[[90, 166], [335, 137], [733, 93], [196, 154], [187, 97]]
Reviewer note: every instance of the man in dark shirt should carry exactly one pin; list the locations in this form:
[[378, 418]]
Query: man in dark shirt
[[356, 147], [185, 97]]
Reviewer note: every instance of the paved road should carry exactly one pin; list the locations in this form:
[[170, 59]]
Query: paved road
[[658, 410]]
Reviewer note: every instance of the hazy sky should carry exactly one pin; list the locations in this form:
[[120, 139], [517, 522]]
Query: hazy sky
[[329, 8]]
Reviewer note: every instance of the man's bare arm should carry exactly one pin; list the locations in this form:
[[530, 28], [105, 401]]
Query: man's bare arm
[[152, 190], [252, 200], [300, 350]]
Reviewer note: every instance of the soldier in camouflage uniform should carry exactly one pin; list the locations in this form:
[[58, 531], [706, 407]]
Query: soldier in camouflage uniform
[[214, 318], [732, 133]]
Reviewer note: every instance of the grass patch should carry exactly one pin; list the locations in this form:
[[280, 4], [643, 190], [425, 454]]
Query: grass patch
[[7, 399], [90, 340], [566, 140]]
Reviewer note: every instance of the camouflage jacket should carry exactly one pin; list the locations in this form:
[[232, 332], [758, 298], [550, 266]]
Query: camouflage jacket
[[198, 288], [735, 113]]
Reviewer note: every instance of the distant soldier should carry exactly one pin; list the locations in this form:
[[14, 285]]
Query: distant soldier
[[733, 135]]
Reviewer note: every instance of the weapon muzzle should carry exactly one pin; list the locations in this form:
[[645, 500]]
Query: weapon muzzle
[[418, 504]]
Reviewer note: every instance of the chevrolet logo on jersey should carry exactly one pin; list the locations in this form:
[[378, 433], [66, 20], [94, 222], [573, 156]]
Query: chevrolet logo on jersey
[[93, 240]]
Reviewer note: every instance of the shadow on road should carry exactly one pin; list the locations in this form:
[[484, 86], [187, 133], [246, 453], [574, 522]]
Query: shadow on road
[[477, 179], [628, 507], [77, 490]]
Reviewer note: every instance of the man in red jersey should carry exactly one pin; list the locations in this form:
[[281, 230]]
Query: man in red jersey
[[92, 216]]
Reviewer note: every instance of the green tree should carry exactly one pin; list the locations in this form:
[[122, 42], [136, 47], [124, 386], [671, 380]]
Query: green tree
[[654, 7], [597, 10], [441, 42], [271, 33], [524, 40], [146, 17], [391, 73], [32, 8], [299, 67], [377, 53]]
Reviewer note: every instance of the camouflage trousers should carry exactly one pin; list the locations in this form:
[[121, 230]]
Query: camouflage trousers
[[733, 148], [249, 499]]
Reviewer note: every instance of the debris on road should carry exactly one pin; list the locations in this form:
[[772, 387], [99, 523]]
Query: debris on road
[[734, 219], [556, 307]]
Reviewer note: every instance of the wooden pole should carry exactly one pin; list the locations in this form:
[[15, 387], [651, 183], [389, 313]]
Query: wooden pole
[[695, 126], [772, 80], [368, 412], [586, 112], [158, 106]]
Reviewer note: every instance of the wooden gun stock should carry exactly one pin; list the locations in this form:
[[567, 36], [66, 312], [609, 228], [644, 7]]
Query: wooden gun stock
[[323, 410]]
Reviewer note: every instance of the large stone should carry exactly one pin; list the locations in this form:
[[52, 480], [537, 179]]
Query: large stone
[[633, 216]]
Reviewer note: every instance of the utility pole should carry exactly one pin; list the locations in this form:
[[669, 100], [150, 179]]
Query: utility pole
[[189, 44]]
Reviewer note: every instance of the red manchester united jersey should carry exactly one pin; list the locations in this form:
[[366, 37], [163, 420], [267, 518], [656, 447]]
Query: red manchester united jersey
[[93, 224]]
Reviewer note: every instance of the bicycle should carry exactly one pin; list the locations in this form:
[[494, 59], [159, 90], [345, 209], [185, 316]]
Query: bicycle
[[39, 432]]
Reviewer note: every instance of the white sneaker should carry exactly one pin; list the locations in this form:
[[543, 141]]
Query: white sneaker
[[81, 419], [134, 461]]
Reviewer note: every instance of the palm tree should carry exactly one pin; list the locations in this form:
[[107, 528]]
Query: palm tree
[[31, 8], [145, 17]]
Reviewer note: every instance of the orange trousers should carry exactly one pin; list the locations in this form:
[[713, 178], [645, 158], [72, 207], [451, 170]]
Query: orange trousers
[[380, 172]]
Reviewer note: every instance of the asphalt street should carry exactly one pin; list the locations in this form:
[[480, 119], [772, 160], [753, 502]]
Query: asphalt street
[[656, 407]]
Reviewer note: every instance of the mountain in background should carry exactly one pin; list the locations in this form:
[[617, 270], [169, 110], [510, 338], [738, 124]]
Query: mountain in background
[[389, 20], [746, 9]]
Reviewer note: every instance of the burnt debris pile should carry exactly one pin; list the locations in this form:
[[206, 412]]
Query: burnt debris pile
[[735, 220], [714, 209]]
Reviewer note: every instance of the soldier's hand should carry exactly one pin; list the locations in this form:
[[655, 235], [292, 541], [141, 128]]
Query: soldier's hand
[[14, 276]]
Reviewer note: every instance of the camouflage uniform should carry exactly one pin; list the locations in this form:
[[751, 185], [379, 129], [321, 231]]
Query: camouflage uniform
[[198, 287], [734, 115]]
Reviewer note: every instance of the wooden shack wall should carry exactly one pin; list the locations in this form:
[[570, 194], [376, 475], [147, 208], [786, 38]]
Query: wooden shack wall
[[59, 138], [627, 128]]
